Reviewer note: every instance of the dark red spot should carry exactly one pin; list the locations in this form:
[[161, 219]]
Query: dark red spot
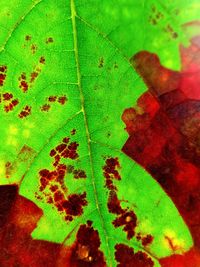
[[45, 107], [73, 132], [23, 82], [85, 251], [125, 218], [52, 98], [111, 172], [25, 112], [114, 205], [52, 185], [147, 240], [7, 96], [74, 204], [34, 75], [126, 256], [52, 152], [79, 174], [15, 102], [128, 220], [3, 70], [62, 100]]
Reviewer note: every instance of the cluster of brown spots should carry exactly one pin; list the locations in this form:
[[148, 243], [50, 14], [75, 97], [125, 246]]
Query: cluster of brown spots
[[66, 149], [52, 184], [26, 111], [53, 187], [125, 218], [23, 82], [110, 172], [28, 37], [171, 32], [24, 157], [49, 40], [35, 74], [52, 99], [19, 217], [8, 101], [128, 220], [85, 251], [125, 256], [33, 48], [77, 173], [3, 70], [146, 240], [156, 16]]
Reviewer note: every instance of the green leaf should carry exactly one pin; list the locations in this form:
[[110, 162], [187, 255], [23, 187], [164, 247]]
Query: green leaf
[[65, 74]]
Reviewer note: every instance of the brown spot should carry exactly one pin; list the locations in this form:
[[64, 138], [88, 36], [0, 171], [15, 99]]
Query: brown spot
[[128, 220], [45, 107], [25, 112], [74, 204], [125, 256], [62, 99], [7, 96], [114, 205], [49, 40], [33, 48], [85, 251], [125, 218], [147, 240], [34, 75], [79, 174], [23, 82], [101, 63], [111, 172], [73, 132], [52, 98], [8, 169], [42, 60], [52, 184], [27, 37], [3, 70]]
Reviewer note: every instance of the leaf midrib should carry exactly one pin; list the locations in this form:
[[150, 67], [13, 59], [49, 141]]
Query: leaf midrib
[[75, 39]]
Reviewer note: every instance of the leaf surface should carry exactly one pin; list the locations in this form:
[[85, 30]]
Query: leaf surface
[[64, 87]]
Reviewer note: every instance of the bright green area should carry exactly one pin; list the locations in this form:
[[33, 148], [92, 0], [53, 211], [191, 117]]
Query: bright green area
[[87, 34]]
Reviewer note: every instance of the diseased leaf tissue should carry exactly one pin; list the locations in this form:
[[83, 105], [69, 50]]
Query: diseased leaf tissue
[[99, 127]]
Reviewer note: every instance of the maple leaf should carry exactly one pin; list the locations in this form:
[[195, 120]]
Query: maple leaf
[[65, 80]]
